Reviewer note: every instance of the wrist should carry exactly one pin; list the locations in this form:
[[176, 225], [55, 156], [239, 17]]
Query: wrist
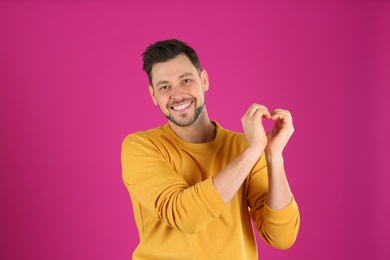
[[253, 151], [273, 157]]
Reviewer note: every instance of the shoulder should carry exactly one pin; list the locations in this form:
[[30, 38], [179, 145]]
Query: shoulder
[[152, 141], [144, 136], [226, 133], [143, 140], [230, 137]]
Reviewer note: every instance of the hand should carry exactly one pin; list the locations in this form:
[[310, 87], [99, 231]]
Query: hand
[[253, 127], [280, 133]]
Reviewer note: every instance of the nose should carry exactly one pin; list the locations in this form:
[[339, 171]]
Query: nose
[[177, 93]]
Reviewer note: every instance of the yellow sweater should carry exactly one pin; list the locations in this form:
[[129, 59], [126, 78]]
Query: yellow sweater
[[178, 212]]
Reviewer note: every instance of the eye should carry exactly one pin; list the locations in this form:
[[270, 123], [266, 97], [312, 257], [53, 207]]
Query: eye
[[186, 81], [164, 87]]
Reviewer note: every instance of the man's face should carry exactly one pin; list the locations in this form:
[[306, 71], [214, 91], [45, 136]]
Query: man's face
[[178, 90]]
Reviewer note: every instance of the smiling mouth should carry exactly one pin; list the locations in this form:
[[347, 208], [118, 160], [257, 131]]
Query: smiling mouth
[[182, 107]]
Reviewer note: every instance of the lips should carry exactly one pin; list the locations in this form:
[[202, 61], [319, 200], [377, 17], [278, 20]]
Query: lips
[[181, 106]]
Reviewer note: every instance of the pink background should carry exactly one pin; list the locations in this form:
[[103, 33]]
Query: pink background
[[72, 88]]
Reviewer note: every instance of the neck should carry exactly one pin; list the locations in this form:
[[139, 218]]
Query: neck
[[202, 131]]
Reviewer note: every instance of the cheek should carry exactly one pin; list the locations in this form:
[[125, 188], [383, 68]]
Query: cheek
[[201, 95], [161, 102], [157, 100]]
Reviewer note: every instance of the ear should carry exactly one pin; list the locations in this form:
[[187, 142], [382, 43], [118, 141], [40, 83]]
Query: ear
[[204, 77], [151, 92]]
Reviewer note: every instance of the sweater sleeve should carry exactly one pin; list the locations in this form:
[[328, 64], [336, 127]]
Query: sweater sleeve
[[152, 181], [278, 228]]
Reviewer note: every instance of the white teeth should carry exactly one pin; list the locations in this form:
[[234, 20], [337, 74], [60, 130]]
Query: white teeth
[[178, 108]]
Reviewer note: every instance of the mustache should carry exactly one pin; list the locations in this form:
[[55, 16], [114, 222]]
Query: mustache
[[175, 102]]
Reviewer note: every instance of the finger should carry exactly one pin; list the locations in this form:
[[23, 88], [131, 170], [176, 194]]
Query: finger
[[284, 111], [281, 114], [262, 113], [258, 110], [252, 109]]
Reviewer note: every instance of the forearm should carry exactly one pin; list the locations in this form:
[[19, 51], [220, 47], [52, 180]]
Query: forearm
[[279, 193], [279, 228], [228, 181]]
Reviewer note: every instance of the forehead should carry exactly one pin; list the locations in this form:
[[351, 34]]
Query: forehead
[[173, 68]]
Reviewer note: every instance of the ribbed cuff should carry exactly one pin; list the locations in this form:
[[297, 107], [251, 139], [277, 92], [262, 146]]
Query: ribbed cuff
[[215, 202], [283, 215]]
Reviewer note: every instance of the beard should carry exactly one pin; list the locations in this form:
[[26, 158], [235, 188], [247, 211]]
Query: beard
[[189, 121]]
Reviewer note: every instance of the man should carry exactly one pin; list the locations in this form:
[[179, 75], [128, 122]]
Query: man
[[194, 185]]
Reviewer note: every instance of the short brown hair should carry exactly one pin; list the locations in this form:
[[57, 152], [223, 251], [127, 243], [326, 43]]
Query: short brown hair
[[163, 51]]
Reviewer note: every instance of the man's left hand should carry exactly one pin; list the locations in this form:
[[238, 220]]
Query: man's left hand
[[280, 133]]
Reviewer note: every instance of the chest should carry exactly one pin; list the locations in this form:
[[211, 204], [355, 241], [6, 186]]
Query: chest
[[196, 166]]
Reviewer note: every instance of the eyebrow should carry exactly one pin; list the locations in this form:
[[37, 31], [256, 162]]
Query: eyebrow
[[162, 82], [186, 74]]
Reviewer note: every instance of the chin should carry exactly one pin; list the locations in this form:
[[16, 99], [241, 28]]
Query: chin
[[190, 120]]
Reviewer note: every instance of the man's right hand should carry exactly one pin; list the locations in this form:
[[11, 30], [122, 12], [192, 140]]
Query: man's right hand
[[253, 127], [229, 179]]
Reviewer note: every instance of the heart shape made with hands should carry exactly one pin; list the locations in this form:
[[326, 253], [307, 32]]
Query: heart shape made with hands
[[268, 123]]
